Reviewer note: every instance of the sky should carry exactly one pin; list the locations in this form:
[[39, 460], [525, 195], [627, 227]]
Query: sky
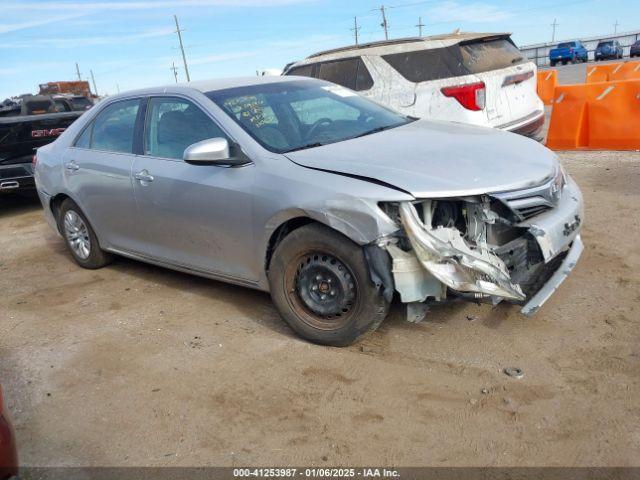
[[132, 43]]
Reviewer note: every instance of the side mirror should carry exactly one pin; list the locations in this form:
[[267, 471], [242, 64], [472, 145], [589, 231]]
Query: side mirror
[[213, 151]]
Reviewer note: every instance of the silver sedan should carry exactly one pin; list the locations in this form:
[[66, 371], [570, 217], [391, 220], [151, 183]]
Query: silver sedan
[[332, 203]]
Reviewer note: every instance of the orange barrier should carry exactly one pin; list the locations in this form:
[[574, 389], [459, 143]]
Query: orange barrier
[[547, 82], [613, 72], [603, 115]]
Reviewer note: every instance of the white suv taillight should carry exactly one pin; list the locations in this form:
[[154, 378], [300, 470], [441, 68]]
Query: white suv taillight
[[471, 96]]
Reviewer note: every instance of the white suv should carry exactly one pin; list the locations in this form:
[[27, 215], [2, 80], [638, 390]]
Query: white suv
[[475, 78]]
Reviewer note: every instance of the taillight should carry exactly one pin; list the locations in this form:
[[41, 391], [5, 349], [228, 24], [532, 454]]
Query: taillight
[[34, 160], [471, 96]]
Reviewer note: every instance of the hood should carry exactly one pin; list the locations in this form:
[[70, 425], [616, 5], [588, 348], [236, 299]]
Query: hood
[[438, 159]]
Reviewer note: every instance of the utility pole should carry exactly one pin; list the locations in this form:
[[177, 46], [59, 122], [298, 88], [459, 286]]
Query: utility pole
[[384, 23], [554, 25], [184, 58], [93, 79], [78, 72], [355, 28], [175, 70], [615, 27], [118, 87], [420, 25]]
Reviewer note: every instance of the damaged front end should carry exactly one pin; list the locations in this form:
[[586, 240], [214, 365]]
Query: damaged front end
[[514, 246]]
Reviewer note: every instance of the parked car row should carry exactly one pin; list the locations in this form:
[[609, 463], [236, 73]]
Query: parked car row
[[575, 51]]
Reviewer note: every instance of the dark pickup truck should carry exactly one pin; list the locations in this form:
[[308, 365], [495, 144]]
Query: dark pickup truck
[[26, 125]]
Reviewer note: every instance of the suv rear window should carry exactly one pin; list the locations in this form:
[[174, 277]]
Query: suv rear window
[[567, 45], [456, 60]]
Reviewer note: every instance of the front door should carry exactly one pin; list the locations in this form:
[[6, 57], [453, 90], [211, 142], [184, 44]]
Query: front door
[[194, 216]]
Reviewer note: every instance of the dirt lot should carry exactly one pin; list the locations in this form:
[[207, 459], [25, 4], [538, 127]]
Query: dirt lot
[[136, 365]]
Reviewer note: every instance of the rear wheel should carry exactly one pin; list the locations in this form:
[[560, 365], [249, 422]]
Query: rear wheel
[[80, 238], [553, 64], [321, 286]]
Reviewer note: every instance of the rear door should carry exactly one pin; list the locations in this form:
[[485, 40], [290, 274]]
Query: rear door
[[97, 170], [194, 216]]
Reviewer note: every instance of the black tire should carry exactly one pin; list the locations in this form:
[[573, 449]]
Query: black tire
[[564, 62], [96, 257], [553, 64], [308, 264]]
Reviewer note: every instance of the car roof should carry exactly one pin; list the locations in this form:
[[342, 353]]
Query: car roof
[[409, 44], [205, 86]]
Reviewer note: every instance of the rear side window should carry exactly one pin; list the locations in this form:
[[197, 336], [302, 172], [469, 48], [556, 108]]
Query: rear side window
[[350, 73], [113, 128], [456, 60]]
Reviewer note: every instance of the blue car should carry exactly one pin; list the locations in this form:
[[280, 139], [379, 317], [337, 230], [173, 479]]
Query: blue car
[[610, 49], [568, 52]]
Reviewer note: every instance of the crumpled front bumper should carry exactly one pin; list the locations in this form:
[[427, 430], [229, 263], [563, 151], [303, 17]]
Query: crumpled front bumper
[[446, 256]]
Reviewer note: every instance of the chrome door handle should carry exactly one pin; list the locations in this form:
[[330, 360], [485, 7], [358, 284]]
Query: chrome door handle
[[143, 176], [72, 166]]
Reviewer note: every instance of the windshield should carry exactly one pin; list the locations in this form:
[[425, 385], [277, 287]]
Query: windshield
[[605, 44], [288, 116]]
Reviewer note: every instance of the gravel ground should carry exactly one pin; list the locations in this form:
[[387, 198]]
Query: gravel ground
[[136, 365]]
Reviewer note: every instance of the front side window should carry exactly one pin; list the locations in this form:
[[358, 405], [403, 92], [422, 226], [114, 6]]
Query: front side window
[[173, 124], [302, 71], [342, 72], [113, 128], [288, 116]]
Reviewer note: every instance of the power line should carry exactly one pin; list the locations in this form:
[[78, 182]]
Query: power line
[[355, 28], [420, 25], [184, 57]]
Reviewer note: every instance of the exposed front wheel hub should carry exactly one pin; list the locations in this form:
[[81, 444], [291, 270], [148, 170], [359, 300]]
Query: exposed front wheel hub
[[325, 285]]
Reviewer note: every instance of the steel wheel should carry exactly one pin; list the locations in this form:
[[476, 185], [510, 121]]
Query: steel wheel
[[77, 234], [322, 290]]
